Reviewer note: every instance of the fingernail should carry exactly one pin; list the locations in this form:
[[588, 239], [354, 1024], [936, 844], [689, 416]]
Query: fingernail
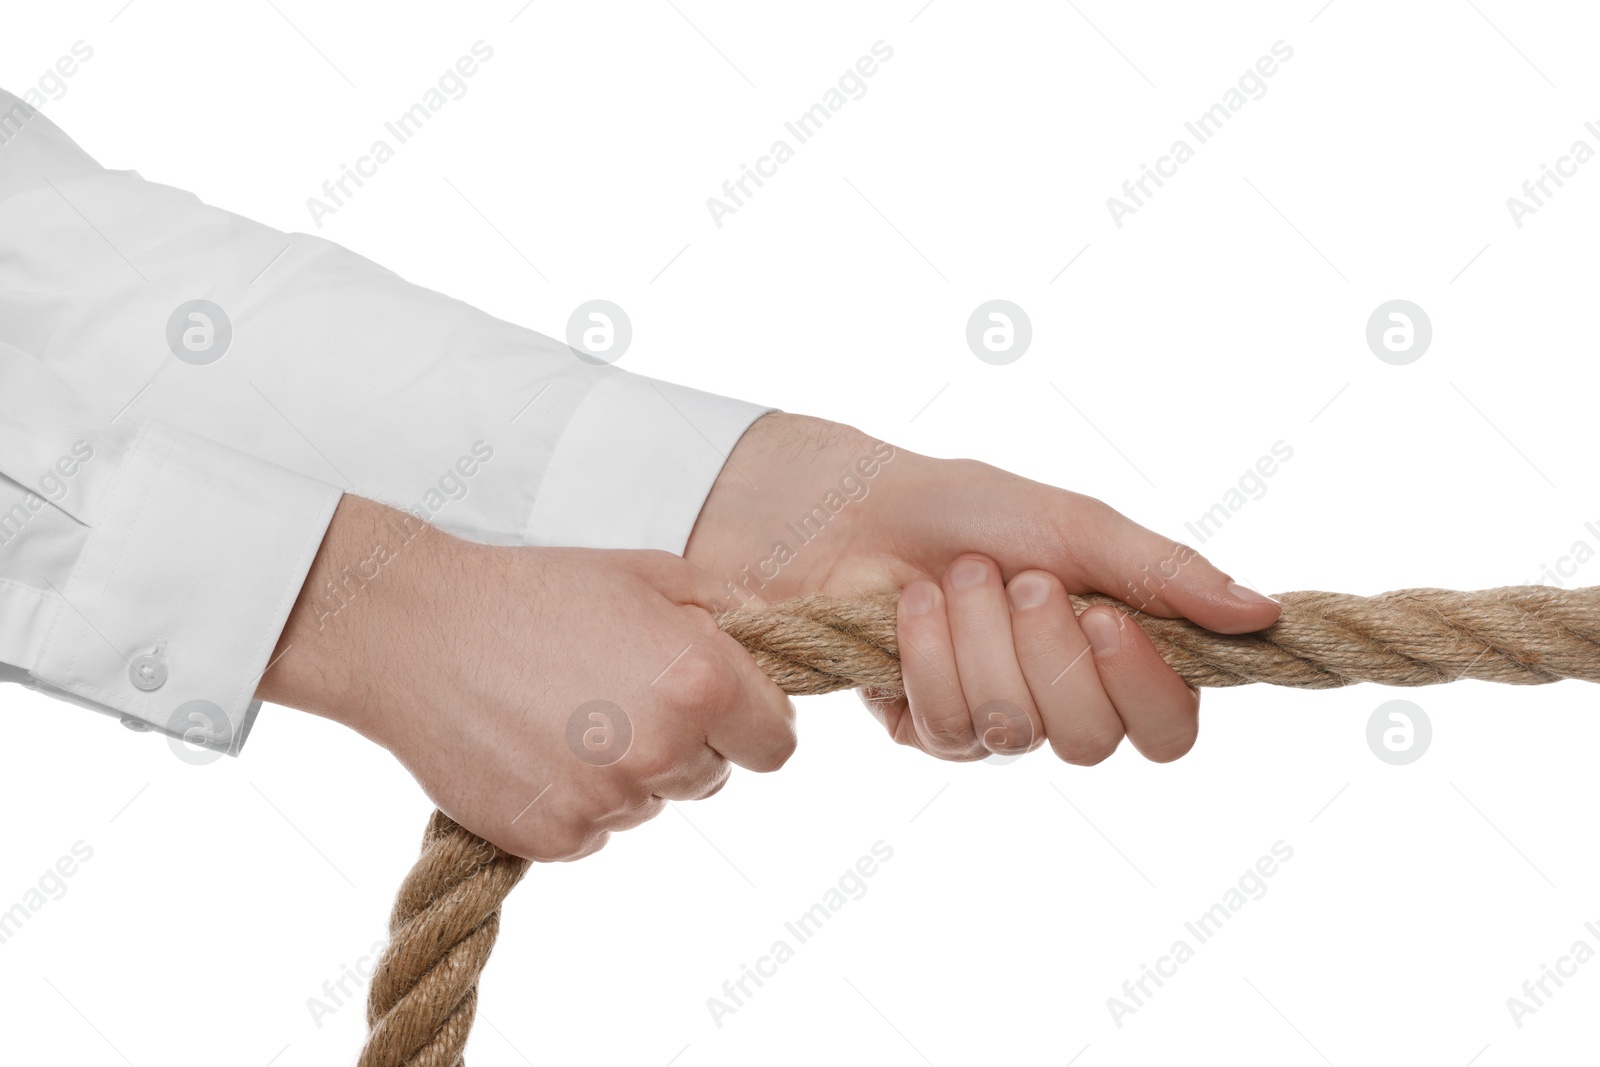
[[917, 598], [1248, 595], [1028, 591], [968, 573], [1103, 631]]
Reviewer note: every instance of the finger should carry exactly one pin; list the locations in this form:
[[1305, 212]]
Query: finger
[[633, 815], [554, 828], [741, 714], [1155, 574], [589, 848], [928, 668], [1079, 720], [1003, 714], [683, 583], [717, 786], [693, 779], [1160, 712], [894, 712]]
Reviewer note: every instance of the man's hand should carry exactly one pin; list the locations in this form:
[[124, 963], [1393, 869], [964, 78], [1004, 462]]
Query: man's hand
[[543, 697], [993, 659]]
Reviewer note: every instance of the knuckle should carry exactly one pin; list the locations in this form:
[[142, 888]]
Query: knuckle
[[1005, 727], [634, 814], [1013, 745], [699, 679], [1089, 510], [562, 842], [951, 737], [652, 761], [1177, 737], [1169, 747], [1185, 712], [1084, 755], [1080, 522], [592, 844], [777, 751], [1085, 748], [1048, 656], [723, 776], [622, 794]]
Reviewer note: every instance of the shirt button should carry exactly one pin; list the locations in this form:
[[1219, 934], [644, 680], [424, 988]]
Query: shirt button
[[138, 726], [147, 672]]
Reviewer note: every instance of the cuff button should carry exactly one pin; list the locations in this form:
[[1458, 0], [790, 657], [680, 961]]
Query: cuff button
[[147, 672]]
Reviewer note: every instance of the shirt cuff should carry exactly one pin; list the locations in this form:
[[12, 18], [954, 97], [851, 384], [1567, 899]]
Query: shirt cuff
[[635, 463], [183, 587]]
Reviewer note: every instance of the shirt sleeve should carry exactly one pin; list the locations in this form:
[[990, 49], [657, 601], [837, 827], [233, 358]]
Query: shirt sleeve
[[321, 361], [144, 571], [239, 340]]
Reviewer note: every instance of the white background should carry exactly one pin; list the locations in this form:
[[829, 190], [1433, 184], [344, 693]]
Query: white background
[[1226, 315]]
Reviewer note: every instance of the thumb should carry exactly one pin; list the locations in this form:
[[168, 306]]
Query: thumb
[[683, 583], [1159, 576]]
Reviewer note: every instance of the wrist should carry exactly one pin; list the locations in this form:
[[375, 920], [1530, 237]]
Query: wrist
[[364, 572], [794, 495]]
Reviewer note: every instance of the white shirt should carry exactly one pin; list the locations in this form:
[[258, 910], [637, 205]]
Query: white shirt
[[158, 514]]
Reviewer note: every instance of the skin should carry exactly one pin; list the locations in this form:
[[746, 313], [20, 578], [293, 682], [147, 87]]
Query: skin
[[471, 662], [467, 661], [985, 561]]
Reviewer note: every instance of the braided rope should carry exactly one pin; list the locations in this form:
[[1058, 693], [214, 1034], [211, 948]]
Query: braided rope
[[445, 921]]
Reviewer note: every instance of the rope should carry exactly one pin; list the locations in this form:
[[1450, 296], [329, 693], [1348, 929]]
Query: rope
[[425, 991]]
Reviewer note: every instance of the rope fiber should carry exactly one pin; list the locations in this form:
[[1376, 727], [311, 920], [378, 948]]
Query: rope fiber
[[445, 920]]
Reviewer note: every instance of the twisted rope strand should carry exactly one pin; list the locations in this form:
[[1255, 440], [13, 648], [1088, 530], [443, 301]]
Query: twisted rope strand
[[447, 915], [424, 993]]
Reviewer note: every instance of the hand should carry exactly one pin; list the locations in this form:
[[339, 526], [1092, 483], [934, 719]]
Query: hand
[[992, 657], [476, 665]]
